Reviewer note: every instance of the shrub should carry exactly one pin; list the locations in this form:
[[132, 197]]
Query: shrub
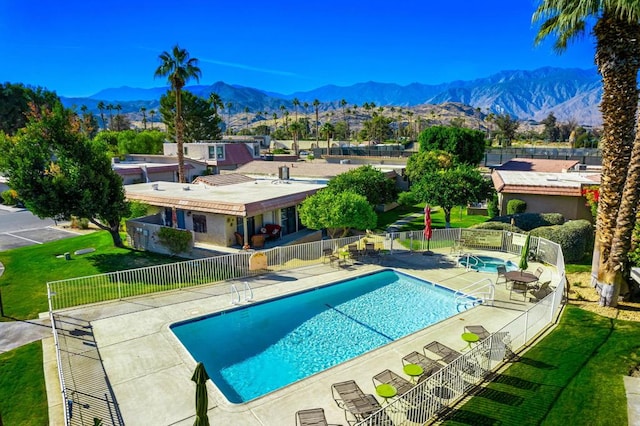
[[575, 238], [10, 197], [497, 226], [529, 221], [492, 206], [516, 206], [79, 222], [176, 240]]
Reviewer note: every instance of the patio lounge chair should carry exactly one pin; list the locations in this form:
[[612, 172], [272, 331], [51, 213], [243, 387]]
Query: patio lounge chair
[[401, 384], [351, 399], [446, 353], [328, 254], [354, 253], [429, 366], [500, 348], [478, 330], [311, 417], [519, 288]]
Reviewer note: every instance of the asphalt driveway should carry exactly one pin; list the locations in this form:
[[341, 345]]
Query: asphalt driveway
[[19, 228]]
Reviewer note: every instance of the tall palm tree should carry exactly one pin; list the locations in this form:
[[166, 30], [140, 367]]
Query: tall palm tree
[[178, 67], [617, 33], [316, 104], [216, 102], [143, 110], [296, 104], [229, 106], [101, 108], [246, 119], [152, 113], [327, 130], [110, 108], [275, 121]]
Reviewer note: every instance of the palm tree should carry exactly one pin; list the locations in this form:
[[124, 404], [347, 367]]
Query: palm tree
[[118, 108], [178, 67], [316, 104], [143, 110], [229, 106], [275, 121], [101, 107], [216, 102], [296, 104], [617, 31], [296, 128], [327, 130], [110, 108], [246, 119], [152, 113]]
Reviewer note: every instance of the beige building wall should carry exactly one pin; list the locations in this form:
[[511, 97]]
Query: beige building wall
[[572, 208]]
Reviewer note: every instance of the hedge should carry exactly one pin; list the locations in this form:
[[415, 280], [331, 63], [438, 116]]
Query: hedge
[[516, 206], [529, 221], [497, 226], [575, 238]]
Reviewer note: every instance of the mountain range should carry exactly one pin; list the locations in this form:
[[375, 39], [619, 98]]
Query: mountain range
[[568, 93]]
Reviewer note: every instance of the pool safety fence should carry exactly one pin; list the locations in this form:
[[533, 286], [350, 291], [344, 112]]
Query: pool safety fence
[[433, 396], [422, 402], [175, 276]]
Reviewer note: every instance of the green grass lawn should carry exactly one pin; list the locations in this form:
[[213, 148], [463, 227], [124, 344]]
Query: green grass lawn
[[28, 269], [23, 399], [572, 376], [459, 218]]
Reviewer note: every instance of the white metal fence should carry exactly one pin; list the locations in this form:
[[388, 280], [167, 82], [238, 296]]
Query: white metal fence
[[421, 402]]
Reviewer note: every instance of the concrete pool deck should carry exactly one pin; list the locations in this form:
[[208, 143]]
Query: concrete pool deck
[[147, 371]]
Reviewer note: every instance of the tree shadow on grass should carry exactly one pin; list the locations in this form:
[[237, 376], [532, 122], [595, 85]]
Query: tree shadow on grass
[[516, 382], [499, 396], [467, 417], [106, 263]]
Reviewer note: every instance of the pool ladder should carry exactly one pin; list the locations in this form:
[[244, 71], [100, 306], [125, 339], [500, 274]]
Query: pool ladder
[[235, 294], [470, 257], [480, 292]]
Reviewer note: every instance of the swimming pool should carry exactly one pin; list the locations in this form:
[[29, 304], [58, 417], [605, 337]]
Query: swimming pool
[[486, 263], [253, 350]]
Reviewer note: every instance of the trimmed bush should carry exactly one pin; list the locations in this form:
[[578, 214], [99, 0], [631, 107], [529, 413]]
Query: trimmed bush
[[529, 221], [516, 206], [492, 206], [497, 226], [176, 240], [575, 238]]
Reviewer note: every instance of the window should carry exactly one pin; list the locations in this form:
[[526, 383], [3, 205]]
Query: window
[[200, 223], [212, 152], [220, 152]]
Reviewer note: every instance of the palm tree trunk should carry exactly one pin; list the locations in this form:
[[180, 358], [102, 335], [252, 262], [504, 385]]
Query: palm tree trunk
[[179, 135], [617, 55]]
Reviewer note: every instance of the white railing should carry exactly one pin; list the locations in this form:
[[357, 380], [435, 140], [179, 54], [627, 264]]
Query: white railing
[[431, 396], [484, 290]]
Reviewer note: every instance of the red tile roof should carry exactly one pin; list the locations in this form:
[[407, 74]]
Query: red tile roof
[[538, 165]]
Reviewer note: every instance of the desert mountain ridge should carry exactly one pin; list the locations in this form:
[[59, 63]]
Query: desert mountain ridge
[[569, 93]]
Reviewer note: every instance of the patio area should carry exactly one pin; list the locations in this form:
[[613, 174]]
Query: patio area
[[147, 371]]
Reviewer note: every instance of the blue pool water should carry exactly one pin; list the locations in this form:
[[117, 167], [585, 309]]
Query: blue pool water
[[251, 351], [487, 263]]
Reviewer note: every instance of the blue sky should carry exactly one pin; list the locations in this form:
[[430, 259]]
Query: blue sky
[[77, 48]]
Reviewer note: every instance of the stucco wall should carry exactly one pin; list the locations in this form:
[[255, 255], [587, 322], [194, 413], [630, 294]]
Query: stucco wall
[[571, 208]]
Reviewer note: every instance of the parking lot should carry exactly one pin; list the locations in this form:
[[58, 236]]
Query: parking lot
[[19, 228]]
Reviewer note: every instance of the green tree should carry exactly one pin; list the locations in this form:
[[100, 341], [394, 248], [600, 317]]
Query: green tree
[[448, 188], [466, 144], [296, 129], [178, 67], [508, 126], [88, 122], [338, 213], [199, 120], [378, 129], [617, 57], [16, 101], [59, 173], [109, 140], [551, 131], [367, 181], [425, 162], [145, 142], [120, 123], [143, 110]]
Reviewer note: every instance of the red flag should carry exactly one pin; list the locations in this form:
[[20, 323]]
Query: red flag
[[427, 222]]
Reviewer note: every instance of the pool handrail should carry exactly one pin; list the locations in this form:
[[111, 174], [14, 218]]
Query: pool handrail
[[476, 291]]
